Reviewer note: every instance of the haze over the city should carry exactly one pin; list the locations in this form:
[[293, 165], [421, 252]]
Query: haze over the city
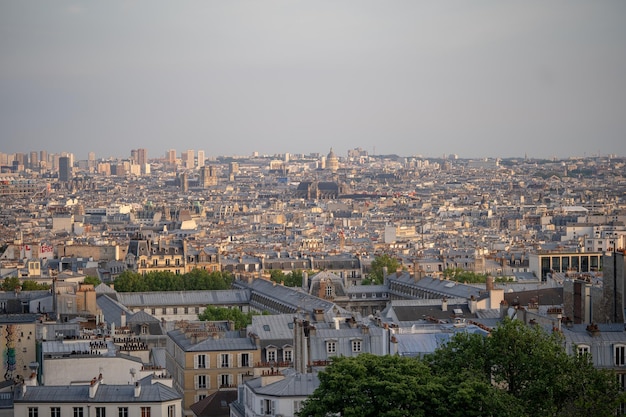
[[477, 79]]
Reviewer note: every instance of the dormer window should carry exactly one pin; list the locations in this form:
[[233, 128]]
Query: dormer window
[[619, 355]]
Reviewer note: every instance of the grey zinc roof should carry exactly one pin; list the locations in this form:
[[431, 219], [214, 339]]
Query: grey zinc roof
[[276, 326], [230, 341], [111, 309], [60, 347], [289, 297], [293, 385], [181, 298], [450, 289], [78, 394]]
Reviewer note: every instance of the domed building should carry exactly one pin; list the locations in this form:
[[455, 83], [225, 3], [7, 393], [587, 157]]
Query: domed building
[[332, 162]]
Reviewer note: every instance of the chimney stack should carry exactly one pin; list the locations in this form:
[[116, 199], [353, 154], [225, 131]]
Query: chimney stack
[[444, 304], [137, 390]]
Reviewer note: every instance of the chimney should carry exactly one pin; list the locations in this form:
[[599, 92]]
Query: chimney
[[444, 304], [93, 387], [137, 390], [123, 319], [473, 304], [489, 283]]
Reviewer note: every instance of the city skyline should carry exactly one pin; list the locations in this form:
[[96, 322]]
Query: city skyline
[[485, 79]]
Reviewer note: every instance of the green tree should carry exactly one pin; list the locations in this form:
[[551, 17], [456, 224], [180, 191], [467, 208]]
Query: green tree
[[291, 279], [376, 274], [195, 280], [369, 385], [11, 284], [92, 280], [532, 366], [29, 285], [461, 275], [235, 315]]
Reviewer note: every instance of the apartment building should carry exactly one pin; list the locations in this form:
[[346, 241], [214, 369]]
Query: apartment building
[[204, 357]]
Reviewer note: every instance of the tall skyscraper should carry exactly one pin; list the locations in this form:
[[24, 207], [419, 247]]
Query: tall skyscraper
[[201, 159], [188, 158], [170, 156], [34, 160], [142, 156], [65, 169], [91, 159]]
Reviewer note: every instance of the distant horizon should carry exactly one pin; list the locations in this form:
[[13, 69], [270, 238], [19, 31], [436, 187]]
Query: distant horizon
[[448, 156], [478, 79]]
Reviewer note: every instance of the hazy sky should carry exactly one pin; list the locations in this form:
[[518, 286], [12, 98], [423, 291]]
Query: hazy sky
[[474, 78]]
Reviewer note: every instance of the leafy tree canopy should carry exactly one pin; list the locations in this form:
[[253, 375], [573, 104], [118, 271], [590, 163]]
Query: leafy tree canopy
[[291, 279], [461, 275], [29, 285], [518, 371], [198, 279], [376, 275], [11, 284], [92, 280], [533, 367], [235, 315]]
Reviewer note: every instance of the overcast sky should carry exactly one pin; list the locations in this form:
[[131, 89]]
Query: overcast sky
[[473, 78]]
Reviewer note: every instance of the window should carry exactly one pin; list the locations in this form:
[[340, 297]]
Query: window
[[297, 406], [270, 355], [33, 411], [186, 310], [244, 360], [621, 381], [175, 310], [288, 355], [122, 412], [329, 291], [164, 310], [267, 407], [225, 360], [167, 262], [201, 382], [153, 311], [101, 412], [620, 355], [78, 412], [144, 329], [55, 411], [197, 310], [356, 345], [145, 411], [200, 362], [155, 262], [226, 380], [583, 350], [171, 411], [331, 347]]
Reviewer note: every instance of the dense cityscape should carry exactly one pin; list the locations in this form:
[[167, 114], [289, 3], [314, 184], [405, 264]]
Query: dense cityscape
[[115, 270]]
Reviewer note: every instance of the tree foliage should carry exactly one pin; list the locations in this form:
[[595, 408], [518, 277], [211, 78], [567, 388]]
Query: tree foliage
[[235, 315], [92, 280], [461, 275], [290, 279], [517, 371], [197, 279], [11, 284], [29, 285], [376, 275], [532, 367]]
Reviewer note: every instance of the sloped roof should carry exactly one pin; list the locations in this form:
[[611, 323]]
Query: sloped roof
[[214, 405], [182, 298], [76, 394], [293, 385]]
